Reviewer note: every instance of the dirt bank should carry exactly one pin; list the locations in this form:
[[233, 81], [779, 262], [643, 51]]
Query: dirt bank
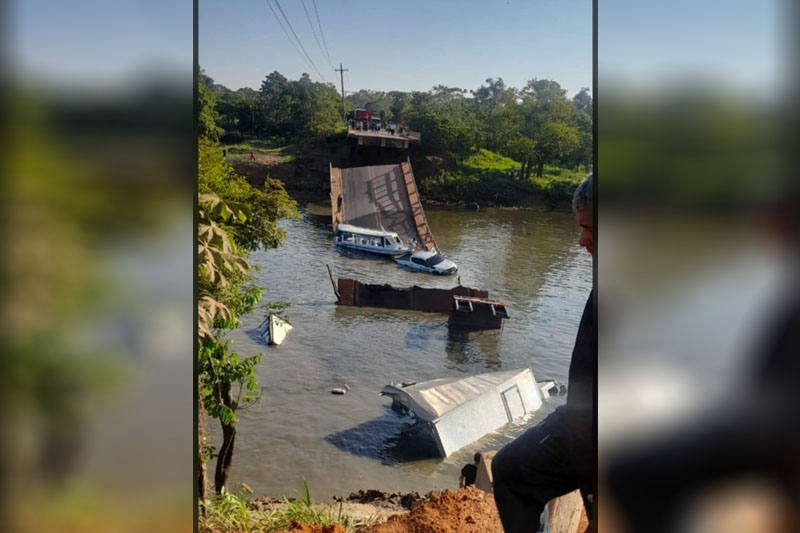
[[373, 511], [467, 510]]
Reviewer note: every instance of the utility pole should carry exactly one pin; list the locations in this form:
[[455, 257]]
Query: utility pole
[[341, 72]]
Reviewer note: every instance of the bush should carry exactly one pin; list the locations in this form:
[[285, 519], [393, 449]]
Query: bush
[[233, 512], [487, 162]]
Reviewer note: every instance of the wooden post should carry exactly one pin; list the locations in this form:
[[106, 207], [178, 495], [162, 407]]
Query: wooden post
[[330, 275], [567, 514]]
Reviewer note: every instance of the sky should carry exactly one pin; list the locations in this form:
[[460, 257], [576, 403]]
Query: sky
[[741, 43], [98, 42], [406, 46], [411, 45]]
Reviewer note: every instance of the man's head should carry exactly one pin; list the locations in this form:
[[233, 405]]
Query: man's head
[[583, 206], [477, 457]]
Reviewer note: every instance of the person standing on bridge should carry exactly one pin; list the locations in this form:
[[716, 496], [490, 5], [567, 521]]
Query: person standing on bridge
[[557, 456]]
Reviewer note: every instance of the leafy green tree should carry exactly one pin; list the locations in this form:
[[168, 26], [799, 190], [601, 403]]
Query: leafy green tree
[[523, 149], [239, 111], [324, 118], [235, 218], [582, 117], [222, 268], [556, 140], [208, 117], [400, 107], [266, 205], [378, 103], [536, 125], [276, 104]]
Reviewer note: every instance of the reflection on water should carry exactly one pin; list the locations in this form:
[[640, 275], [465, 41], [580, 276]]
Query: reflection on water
[[466, 348], [299, 430], [384, 440]]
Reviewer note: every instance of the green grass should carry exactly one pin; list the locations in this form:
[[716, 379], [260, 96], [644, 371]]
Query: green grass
[[240, 151], [486, 162], [231, 512], [258, 144], [488, 177]]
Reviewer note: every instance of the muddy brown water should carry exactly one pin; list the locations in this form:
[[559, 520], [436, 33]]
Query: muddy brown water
[[299, 431]]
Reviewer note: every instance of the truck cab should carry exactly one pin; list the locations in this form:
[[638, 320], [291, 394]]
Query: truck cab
[[362, 118]]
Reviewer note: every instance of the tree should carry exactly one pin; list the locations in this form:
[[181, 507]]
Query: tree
[[582, 116], [583, 101], [556, 139], [238, 111], [208, 117], [498, 110], [400, 107], [234, 219], [221, 268], [276, 104], [324, 118], [523, 150]]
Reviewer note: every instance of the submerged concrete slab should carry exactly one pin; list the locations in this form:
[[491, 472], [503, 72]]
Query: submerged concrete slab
[[353, 292]]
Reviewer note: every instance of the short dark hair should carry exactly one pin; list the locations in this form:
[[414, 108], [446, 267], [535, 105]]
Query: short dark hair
[[583, 194], [478, 457]]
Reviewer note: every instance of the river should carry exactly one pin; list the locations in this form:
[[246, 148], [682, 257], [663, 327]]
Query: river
[[299, 431]]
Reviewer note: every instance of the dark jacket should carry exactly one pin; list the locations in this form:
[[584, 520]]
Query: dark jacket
[[578, 415]]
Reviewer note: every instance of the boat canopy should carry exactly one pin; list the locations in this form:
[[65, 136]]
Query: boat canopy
[[365, 231], [433, 399]]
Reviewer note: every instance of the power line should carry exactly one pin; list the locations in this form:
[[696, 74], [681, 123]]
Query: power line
[[322, 33], [287, 33], [278, 4], [314, 31]]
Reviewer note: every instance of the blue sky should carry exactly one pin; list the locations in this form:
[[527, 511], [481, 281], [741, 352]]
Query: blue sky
[[98, 42], [409, 45], [741, 43]]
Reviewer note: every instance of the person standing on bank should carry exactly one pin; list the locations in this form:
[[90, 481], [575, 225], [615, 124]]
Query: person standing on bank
[[469, 472], [557, 456]]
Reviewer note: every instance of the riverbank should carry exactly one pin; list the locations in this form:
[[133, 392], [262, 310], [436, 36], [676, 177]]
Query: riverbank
[[467, 510], [484, 179]]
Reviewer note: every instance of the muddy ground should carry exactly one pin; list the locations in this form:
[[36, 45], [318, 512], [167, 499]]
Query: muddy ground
[[467, 510]]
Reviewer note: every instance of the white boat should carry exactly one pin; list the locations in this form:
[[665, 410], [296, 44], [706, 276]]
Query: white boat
[[274, 329], [428, 261], [370, 240], [455, 412]]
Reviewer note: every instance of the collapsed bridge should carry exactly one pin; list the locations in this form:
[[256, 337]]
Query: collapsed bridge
[[380, 197]]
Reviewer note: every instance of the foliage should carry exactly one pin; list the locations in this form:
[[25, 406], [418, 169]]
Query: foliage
[[294, 109], [231, 511], [489, 178], [324, 118], [234, 218], [557, 186], [222, 369], [208, 116], [265, 205], [221, 277], [484, 161], [536, 125]]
